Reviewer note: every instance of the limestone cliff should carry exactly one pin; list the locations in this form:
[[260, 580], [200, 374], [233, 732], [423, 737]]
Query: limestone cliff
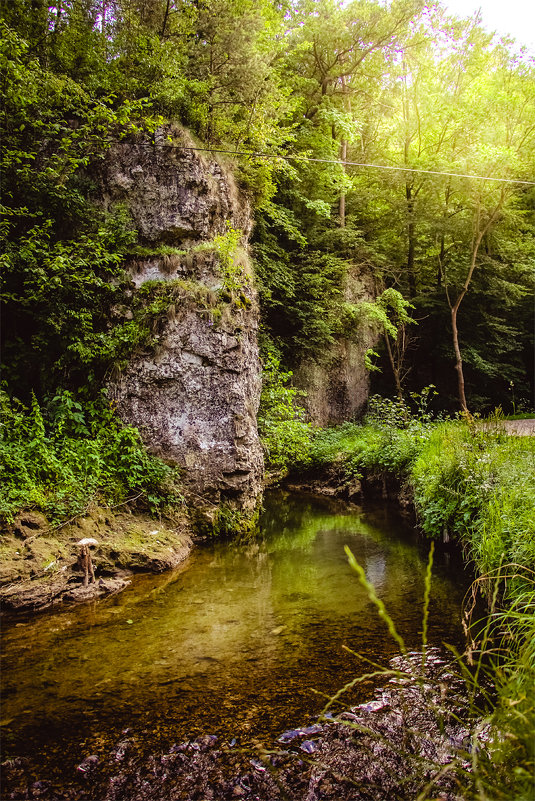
[[338, 384], [194, 396]]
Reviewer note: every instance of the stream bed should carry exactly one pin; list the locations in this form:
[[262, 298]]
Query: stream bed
[[243, 641]]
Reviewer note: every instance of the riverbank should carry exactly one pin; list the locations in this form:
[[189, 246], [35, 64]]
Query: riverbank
[[473, 484], [465, 481], [41, 565]]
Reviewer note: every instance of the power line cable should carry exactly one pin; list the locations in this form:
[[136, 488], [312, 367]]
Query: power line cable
[[352, 164]]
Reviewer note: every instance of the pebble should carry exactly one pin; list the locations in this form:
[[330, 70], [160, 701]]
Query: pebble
[[372, 706], [293, 734], [288, 736], [87, 764]]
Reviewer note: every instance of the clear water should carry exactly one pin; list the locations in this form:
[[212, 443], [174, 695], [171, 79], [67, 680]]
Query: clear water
[[234, 643]]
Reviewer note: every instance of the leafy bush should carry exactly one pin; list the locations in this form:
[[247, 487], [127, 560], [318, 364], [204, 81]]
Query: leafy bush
[[283, 429], [62, 458]]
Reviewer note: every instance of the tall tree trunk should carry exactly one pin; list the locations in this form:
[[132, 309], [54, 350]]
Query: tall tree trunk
[[165, 18], [441, 258], [342, 204], [411, 234], [458, 359], [476, 244]]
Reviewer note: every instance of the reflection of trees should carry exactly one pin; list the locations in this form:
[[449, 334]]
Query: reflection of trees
[[237, 617]]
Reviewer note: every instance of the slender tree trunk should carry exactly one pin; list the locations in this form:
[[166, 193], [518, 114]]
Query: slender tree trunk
[[165, 18], [476, 244], [458, 359], [441, 258], [342, 204], [395, 370]]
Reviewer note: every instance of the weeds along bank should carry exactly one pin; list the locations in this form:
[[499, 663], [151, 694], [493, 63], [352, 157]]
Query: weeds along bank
[[472, 482]]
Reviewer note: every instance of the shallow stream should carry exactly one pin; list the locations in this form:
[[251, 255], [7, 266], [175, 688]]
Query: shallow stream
[[241, 642]]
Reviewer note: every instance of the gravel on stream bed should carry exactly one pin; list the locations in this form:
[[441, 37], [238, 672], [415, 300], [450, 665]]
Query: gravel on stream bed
[[412, 740]]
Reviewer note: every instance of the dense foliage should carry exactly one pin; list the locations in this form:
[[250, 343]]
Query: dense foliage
[[66, 457], [311, 84], [400, 86], [425, 250], [285, 434]]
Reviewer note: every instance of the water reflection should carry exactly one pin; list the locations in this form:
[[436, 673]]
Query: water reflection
[[232, 643]]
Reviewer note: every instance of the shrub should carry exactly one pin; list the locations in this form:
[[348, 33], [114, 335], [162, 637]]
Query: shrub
[[285, 434], [60, 458]]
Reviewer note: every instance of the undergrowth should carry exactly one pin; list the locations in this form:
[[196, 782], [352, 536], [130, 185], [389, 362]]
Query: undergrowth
[[61, 456], [284, 432]]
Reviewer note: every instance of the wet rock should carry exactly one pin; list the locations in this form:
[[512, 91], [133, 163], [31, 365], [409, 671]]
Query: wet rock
[[391, 749], [38, 789], [292, 734], [87, 765], [373, 706], [121, 749], [289, 736], [103, 587]]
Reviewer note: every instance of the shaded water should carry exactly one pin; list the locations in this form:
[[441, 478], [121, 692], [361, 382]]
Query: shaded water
[[233, 643]]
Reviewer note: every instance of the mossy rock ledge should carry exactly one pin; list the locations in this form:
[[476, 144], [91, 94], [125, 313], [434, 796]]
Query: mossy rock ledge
[[39, 565]]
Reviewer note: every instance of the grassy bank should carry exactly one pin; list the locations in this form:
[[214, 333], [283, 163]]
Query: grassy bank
[[471, 482], [474, 483]]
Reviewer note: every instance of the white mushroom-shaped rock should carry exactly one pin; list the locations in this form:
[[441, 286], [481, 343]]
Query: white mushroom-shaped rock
[[84, 559], [89, 541]]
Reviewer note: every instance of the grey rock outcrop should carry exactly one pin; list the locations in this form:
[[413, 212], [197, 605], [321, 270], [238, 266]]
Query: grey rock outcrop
[[195, 396], [176, 195], [338, 385]]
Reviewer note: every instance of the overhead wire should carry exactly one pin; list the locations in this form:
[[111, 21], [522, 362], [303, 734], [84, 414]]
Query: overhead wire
[[291, 157]]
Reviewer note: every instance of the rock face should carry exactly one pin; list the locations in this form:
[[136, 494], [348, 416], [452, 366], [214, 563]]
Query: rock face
[[338, 386], [195, 397], [175, 194], [195, 403]]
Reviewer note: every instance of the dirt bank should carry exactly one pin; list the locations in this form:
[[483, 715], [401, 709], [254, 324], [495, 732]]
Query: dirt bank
[[40, 565]]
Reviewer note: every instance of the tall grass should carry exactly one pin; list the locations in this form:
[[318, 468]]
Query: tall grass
[[498, 670]]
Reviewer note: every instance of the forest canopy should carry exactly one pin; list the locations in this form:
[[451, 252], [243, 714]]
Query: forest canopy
[[317, 87]]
